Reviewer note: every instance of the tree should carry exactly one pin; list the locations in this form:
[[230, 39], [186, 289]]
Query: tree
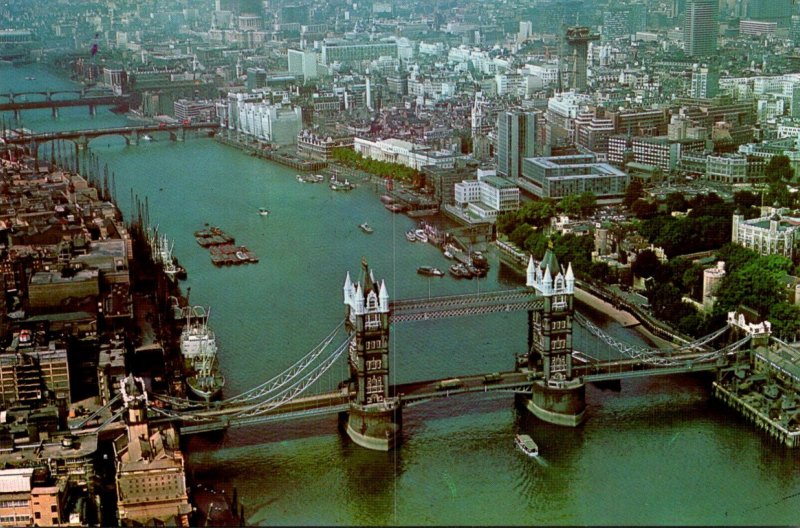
[[646, 264], [785, 319], [779, 169], [570, 205], [587, 202], [744, 200], [676, 202], [644, 209], [634, 191], [537, 213], [758, 284], [520, 234]]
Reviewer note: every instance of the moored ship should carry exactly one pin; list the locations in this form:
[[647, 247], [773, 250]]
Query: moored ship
[[199, 349]]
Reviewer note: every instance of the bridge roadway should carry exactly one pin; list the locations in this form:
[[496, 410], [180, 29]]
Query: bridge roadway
[[107, 100], [83, 92], [94, 133], [634, 368], [217, 417], [212, 419], [460, 305]]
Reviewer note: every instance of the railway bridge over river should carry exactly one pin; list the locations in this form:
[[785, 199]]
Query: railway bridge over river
[[549, 379], [131, 135]]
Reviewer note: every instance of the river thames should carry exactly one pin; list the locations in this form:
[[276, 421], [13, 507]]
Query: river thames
[[660, 451]]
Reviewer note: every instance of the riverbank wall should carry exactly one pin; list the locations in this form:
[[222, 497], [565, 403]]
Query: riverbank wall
[[272, 155]]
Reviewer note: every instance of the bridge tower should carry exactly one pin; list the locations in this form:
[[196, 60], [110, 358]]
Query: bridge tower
[[134, 396], [374, 418], [556, 397]]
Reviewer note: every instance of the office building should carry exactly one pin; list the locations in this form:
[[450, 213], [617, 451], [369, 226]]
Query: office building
[[700, 28], [344, 51], [516, 139], [487, 197], [578, 39], [303, 63], [559, 176]]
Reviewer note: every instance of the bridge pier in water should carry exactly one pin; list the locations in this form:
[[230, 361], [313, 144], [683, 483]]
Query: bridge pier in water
[[557, 397], [374, 419]]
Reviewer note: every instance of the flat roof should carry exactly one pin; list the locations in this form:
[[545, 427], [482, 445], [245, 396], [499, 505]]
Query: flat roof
[[500, 183]]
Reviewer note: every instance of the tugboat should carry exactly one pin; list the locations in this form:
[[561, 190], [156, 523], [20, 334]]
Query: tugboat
[[199, 350], [365, 227], [430, 271], [526, 445]]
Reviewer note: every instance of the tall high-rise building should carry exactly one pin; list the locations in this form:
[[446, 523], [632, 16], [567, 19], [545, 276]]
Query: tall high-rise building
[[578, 39], [700, 28], [516, 140]]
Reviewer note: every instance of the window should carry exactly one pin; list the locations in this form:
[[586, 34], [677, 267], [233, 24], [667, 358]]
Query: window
[[374, 364], [559, 302], [374, 385], [53, 508], [37, 515], [372, 321]]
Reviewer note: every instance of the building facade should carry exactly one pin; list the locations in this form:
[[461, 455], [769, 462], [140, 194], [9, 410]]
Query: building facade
[[403, 153]]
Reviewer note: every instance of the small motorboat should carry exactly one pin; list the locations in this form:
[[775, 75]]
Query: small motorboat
[[365, 227], [459, 271], [526, 445], [430, 271], [263, 211], [411, 236]]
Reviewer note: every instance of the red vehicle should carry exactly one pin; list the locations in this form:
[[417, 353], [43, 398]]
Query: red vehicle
[[186, 122], [162, 125]]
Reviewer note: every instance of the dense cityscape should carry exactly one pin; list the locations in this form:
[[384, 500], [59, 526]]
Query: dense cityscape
[[229, 230]]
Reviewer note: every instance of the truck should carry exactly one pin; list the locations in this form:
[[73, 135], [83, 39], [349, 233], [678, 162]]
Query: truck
[[494, 377], [452, 383]]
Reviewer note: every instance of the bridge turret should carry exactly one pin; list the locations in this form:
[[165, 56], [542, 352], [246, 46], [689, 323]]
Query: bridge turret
[[570, 279], [374, 416], [383, 297]]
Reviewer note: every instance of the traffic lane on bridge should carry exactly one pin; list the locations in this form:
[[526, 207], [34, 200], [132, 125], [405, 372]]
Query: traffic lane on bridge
[[330, 399], [471, 383]]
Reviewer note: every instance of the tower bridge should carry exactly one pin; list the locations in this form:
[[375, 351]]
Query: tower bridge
[[549, 379]]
